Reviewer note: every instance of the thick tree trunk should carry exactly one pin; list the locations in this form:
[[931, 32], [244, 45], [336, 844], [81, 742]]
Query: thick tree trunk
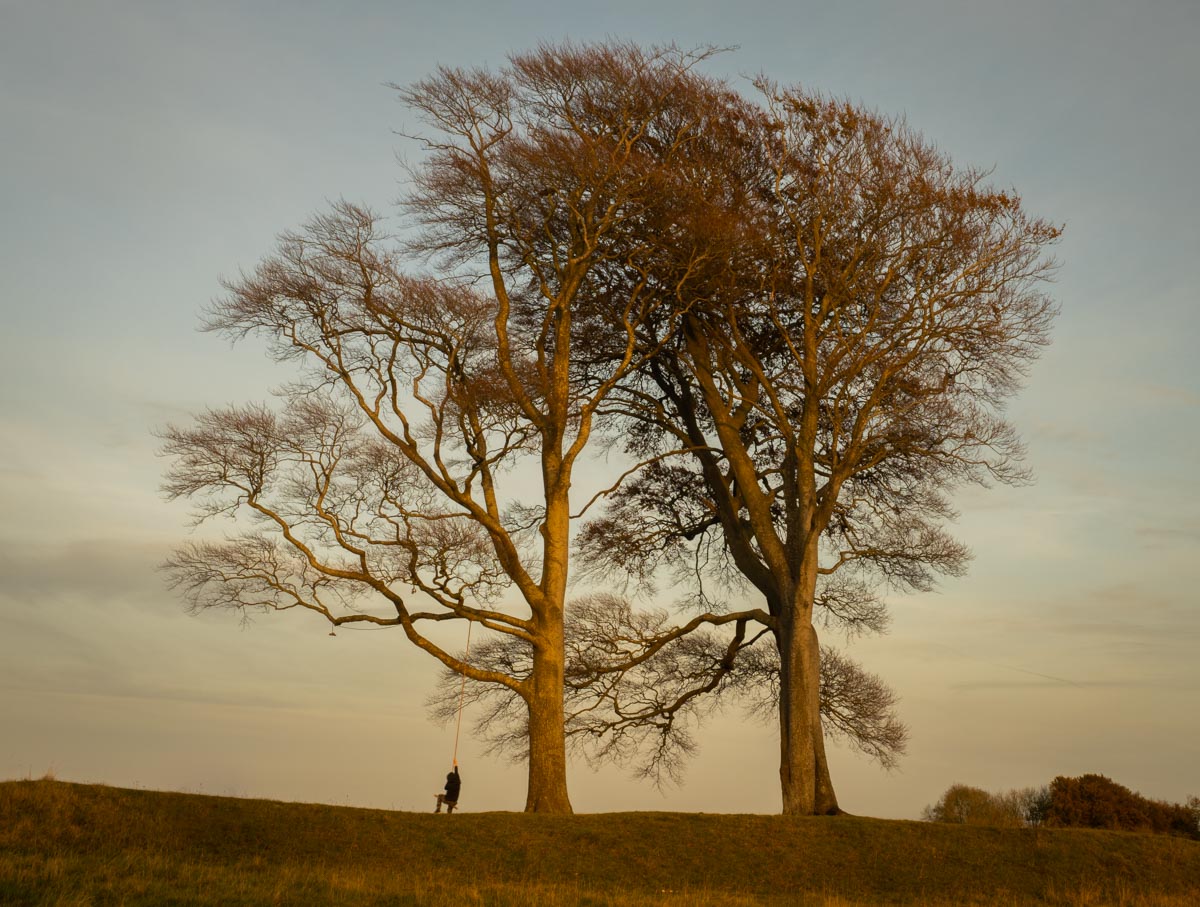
[[547, 791], [803, 768]]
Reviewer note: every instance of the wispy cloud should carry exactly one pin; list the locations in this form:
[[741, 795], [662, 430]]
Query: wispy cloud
[[96, 570], [1063, 432], [1158, 538], [1050, 683], [1167, 395]]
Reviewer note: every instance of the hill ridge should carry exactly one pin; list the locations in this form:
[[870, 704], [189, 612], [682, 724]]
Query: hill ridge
[[116, 845]]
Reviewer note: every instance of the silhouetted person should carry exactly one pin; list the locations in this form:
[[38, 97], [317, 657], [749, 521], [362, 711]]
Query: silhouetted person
[[450, 797]]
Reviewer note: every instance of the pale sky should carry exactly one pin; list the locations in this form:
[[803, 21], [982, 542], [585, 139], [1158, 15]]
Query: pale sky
[[148, 148]]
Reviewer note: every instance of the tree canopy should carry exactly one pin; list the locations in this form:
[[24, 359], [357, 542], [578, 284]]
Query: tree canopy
[[797, 319], [840, 372]]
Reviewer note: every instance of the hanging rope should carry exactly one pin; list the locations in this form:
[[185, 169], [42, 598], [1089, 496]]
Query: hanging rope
[[462, 693]]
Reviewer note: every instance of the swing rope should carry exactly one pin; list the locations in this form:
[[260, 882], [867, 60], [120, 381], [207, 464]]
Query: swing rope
[[462, 693]]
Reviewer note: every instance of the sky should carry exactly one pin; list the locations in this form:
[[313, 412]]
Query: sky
[[149, 148]]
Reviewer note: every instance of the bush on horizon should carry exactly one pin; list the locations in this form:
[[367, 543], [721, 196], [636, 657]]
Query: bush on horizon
[[1089, 801]]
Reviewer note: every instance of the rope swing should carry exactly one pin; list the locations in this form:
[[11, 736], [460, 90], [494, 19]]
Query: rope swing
[[453, 780], [462, 693]]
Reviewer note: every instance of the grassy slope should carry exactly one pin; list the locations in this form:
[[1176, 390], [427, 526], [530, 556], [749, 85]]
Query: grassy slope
[[75, 844]]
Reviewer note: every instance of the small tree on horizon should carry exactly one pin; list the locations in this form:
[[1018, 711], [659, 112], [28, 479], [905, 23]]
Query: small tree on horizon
[[962, 804]]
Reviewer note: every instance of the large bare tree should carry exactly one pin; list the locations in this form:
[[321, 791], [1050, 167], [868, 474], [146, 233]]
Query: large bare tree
[[392, 484], [838, 372]]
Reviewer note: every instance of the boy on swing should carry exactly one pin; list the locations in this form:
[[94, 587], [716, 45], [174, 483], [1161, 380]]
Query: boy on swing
[[450, 797]]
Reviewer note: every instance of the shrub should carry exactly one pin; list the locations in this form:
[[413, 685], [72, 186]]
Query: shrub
[[1094, 801], [1037, 805], [964, 805], [1089, 801]]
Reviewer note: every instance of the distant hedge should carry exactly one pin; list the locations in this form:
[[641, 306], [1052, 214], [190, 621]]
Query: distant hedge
[[1089, 801]]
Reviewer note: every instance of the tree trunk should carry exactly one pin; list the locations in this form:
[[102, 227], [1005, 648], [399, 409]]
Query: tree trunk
[[547, 791], [803, 767]]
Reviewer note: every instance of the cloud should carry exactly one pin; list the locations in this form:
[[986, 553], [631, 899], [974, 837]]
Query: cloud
[[122, 689], [1059, 432], [1160, 538], [1051, 683], [94, 619], [96, 570], [1166, 394]]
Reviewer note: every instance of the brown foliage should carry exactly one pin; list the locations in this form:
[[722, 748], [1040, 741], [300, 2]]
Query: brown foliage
[[863, 310], [1094, 801], [1089, 801]]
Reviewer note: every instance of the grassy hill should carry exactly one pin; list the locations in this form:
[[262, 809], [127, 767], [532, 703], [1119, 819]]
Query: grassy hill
[[77, 844]]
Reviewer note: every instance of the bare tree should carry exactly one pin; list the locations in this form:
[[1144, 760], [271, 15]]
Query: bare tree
[[388, 488], [837, 373], [965, 805]]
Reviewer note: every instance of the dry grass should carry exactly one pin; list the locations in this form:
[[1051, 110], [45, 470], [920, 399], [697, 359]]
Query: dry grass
[[66, 844]]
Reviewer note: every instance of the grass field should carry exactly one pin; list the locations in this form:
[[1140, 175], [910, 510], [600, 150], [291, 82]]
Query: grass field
[[70, 844]]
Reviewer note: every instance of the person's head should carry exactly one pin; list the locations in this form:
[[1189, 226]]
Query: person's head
[[449, 776]]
